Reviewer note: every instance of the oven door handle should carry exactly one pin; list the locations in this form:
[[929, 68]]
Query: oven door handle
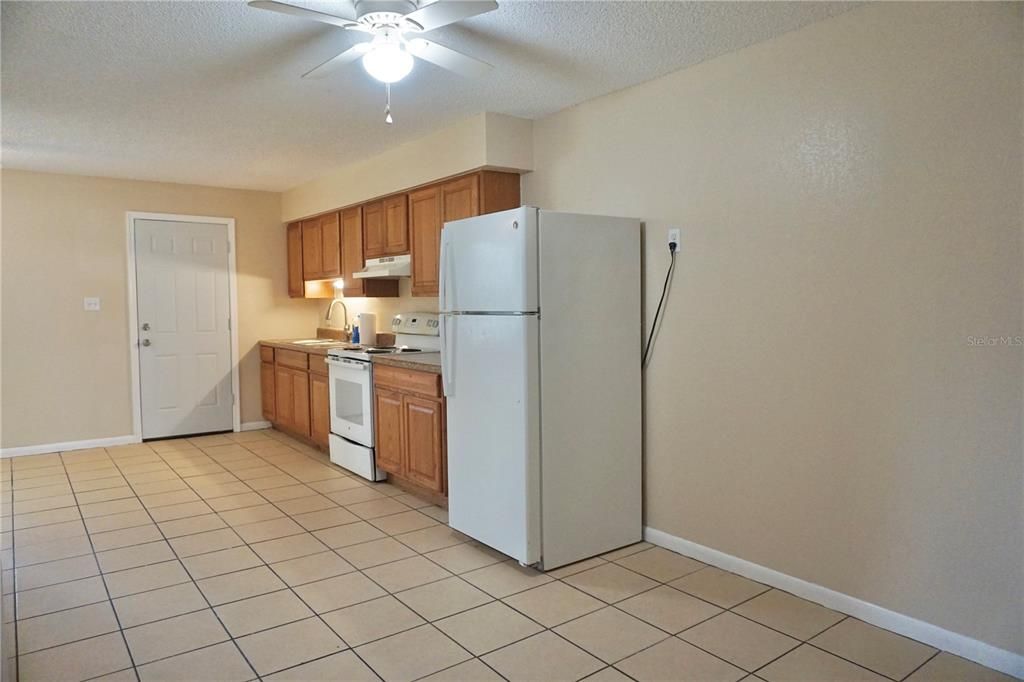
[[344, 363]]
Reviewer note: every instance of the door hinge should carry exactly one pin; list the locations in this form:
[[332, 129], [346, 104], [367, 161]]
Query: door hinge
[[229, 324], [232, 398], [229, 247]]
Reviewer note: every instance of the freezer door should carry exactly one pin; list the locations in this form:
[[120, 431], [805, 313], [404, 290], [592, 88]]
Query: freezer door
[[493, 431], [489, 263]]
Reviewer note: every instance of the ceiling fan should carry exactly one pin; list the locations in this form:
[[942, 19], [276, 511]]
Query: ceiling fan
[[395, 26]]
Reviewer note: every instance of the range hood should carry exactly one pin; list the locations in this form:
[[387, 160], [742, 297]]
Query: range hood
[[388, 267]]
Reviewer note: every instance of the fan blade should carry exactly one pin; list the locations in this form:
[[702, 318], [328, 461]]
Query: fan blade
[[334, 63], [444, 12], [447, 58], [348, 11]]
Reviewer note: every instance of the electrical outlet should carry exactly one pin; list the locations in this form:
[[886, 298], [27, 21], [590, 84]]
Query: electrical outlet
[[673, 236], [91, 303]]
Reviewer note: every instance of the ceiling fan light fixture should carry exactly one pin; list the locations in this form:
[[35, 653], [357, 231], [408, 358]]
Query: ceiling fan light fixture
[[388, 62]]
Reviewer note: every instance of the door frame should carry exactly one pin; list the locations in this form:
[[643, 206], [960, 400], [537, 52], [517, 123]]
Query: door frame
[[133, 311]]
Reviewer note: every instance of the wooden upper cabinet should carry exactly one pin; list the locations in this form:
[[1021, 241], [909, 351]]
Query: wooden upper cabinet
[[352, 249], [431, 207], [330, 246], [338, 244], [296, 287], [425, 239], [352, 260], [499, 191], [373, 229], [385, 227], [311, 249], [396, 225], [460, 198], [321, 247]]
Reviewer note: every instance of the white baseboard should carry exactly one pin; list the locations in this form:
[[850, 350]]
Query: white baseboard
[[986, 654], [254, 426], [68, 445]]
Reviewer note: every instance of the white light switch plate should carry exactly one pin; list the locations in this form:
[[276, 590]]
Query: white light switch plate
[[92, 304]]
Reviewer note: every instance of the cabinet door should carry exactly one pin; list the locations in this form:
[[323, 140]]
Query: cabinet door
[[300, 398], [352, 249], [498, 191], [267, 396], [284, 399], [425, 233], [320, 409], [330, 246], [374, 240], [387, 407], [312, 249], [396, 230], [424, 442], [460, 198], [296, 288]]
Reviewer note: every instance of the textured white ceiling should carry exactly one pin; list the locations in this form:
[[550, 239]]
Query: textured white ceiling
[[209, 92]]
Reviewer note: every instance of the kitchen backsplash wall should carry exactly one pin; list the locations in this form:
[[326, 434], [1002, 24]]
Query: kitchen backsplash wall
[[384, 308]]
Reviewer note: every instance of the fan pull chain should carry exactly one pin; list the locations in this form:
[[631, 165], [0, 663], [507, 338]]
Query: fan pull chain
[[387, 107]]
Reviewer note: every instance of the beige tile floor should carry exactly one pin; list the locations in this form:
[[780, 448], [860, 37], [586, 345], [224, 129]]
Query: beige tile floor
[[247, 556]]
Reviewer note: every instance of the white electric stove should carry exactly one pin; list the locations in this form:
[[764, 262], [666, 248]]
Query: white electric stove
[[351, 376]]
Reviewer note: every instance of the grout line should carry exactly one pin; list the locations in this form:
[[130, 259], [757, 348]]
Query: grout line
[[927, 660], [201, 594], [290, 457]]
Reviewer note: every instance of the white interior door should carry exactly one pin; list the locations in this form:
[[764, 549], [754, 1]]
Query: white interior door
[[184, 308]]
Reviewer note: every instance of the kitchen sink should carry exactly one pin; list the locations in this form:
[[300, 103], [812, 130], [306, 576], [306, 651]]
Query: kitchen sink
[[318, 342]]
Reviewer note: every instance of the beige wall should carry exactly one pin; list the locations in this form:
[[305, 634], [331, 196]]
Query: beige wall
[[850, 200], [484, 140], [65, 372]]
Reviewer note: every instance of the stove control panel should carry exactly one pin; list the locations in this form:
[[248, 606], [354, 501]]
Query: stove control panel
[[422, 324]]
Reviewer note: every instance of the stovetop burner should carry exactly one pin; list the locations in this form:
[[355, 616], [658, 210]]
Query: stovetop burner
[[366, 351]]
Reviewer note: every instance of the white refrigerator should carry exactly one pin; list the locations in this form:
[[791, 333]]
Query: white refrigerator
[[540, 347]]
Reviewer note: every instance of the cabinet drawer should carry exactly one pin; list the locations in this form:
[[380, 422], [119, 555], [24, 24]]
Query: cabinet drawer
[[291, 358], [317, 363], [266, 354], [411, 381]]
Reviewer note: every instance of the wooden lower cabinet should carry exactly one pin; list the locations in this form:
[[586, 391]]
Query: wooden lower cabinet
[[387, 407], [424, 447], [410, 427], [291, 400], [267, 393], [320, 409], [296, 392]]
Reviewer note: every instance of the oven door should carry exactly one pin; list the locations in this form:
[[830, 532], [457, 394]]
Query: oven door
[[351, 396]]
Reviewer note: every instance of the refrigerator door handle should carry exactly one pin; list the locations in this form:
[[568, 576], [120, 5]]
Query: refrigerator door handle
[[444, 272], [447, 368]]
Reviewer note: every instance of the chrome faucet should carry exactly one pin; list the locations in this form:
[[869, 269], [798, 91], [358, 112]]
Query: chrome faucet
[[330, 309]]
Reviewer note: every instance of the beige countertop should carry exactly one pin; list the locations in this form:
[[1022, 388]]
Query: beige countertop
[[423, 362], [315, 349]]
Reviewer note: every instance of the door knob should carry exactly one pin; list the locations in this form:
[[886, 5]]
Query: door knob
[[145, 342], [145, 326]]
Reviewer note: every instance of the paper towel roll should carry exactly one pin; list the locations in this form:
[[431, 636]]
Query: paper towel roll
[[367, 329]]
